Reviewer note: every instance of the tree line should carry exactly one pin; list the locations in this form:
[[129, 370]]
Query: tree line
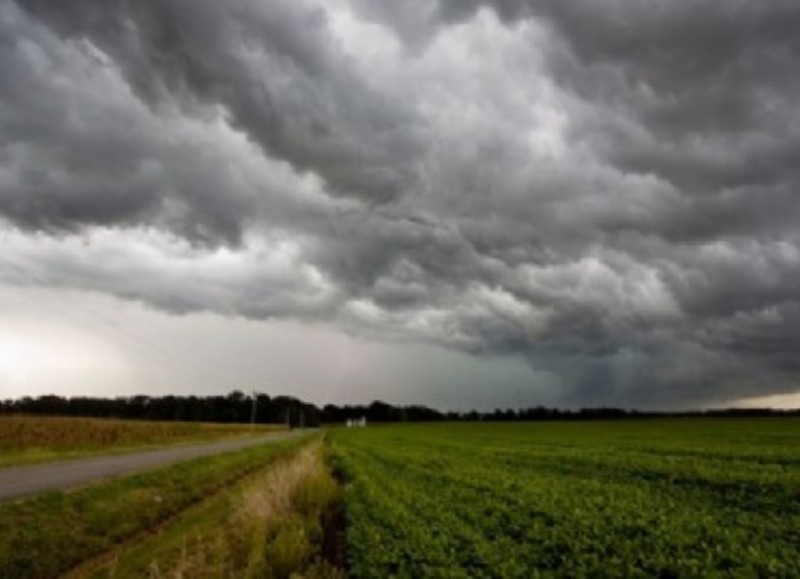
[[239, 407], [233, 407]]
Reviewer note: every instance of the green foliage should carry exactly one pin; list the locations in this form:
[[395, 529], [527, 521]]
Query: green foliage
[[293, 544], [679, 497], [47, 535], [273, 523], [287, 549]]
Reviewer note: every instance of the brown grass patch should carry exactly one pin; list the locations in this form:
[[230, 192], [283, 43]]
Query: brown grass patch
[[28, 438], [277, 525]]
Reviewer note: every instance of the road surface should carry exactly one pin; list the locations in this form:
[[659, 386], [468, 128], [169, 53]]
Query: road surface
[[19, 481]]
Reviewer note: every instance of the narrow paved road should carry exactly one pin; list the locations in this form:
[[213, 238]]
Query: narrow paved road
[[19, 481]]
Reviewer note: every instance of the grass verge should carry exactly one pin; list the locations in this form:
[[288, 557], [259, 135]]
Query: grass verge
[[281, 521], [49, 534]]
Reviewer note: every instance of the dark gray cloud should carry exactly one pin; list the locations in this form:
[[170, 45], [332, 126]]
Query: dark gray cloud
[[608, 191], [273, 66]]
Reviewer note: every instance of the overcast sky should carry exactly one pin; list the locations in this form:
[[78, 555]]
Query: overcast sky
[[451, 202]]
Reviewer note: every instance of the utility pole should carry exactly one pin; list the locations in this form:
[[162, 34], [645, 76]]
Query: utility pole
[[253, 410]]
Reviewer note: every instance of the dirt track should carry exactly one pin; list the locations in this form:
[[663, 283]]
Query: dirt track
[[19, 481]]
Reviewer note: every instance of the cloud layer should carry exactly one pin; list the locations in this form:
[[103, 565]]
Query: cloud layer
[[610, 192]]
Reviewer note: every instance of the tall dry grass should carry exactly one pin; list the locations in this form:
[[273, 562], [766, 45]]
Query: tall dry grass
[[276, 527], [55, 434]]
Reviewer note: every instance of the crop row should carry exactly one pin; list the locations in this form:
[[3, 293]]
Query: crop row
[[521, 500]]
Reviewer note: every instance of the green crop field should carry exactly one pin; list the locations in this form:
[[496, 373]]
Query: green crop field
[[661, 497]]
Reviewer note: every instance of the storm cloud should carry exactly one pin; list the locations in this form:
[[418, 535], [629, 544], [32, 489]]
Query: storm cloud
[[608, 191]]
